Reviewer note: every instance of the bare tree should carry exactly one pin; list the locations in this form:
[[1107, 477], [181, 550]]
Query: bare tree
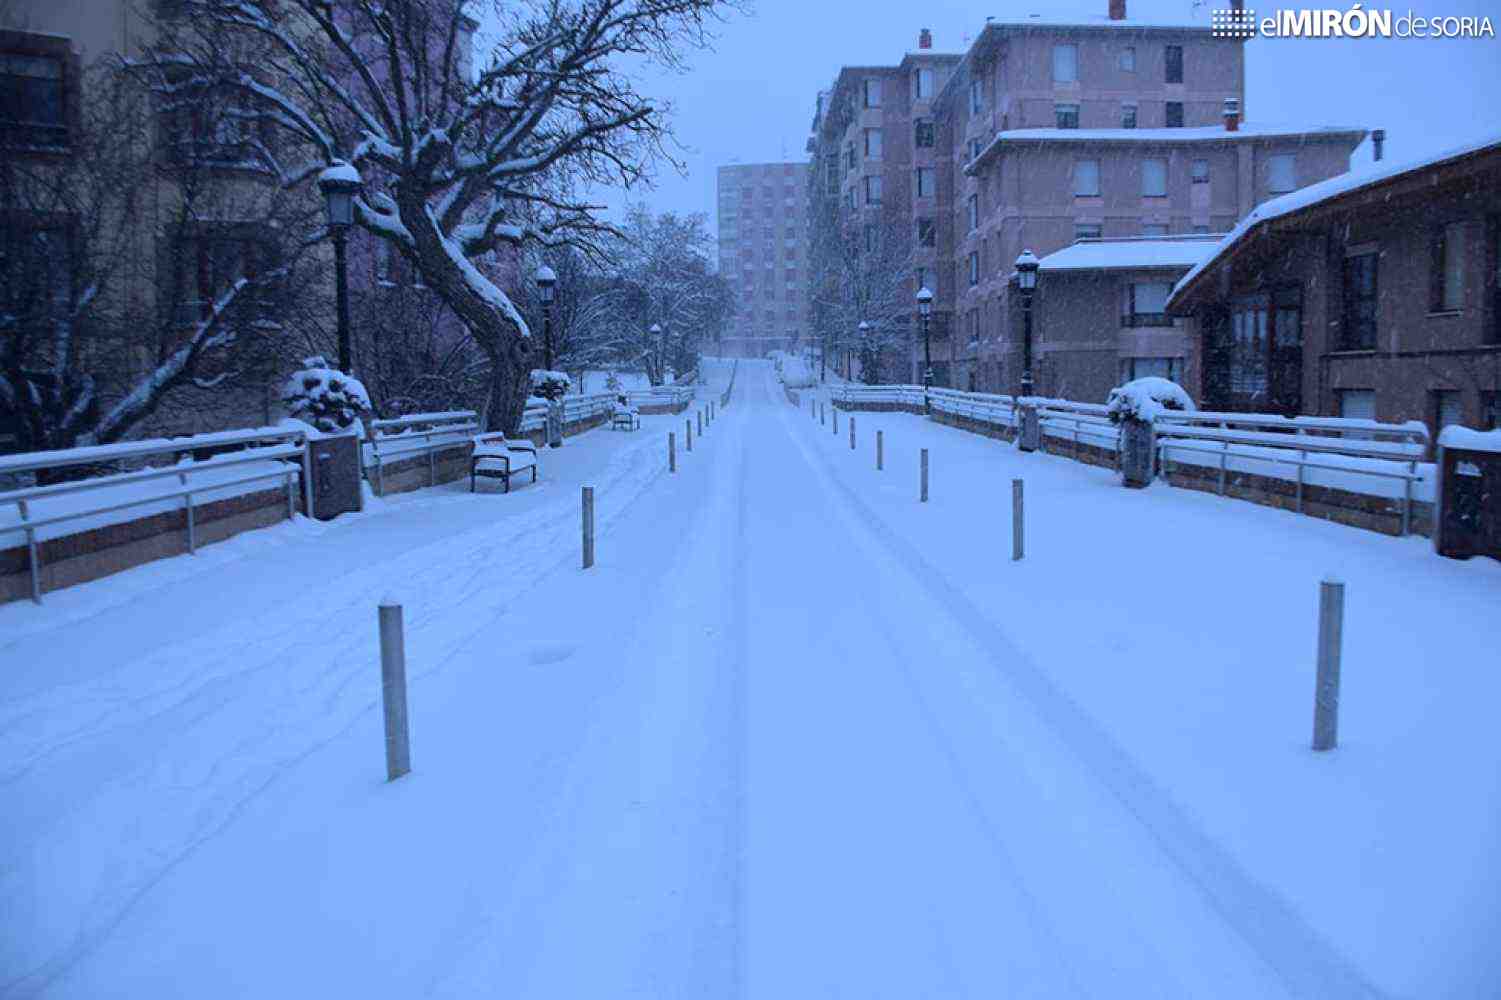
[[458, 160], [859, 274]]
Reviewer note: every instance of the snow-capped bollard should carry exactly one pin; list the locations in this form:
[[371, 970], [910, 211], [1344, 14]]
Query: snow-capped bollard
[[852, 433], [672, 451], [1016, 520], [880, 451], [588, 526], [393, 688], [924, 497], [1326, 686]]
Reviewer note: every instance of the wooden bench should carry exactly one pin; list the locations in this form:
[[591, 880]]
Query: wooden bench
[[497, 457], [625, 417]]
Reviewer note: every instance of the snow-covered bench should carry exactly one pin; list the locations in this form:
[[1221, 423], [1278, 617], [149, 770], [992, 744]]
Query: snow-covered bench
[[624, 416], [497, 457]]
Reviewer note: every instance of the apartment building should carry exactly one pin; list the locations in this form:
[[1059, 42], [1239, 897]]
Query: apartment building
[[1045, 131], [763, 254]]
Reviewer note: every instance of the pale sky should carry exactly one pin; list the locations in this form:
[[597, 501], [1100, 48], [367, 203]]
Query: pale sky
[[751, 99]]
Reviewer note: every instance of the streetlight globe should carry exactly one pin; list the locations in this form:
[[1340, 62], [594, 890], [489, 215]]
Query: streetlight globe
[[924, 300], [547, 280], [1026, 270], [340, 184]]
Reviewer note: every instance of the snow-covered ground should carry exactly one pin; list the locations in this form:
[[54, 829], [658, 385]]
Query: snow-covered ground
[[795, 735]]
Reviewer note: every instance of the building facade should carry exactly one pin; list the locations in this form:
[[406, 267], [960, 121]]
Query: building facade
[[1375, 295], [763, 254], [1048, 131]]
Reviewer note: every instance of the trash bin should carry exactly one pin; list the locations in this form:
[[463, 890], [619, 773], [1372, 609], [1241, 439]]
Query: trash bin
[[1138, 452], [336, 476], [1467, 521]]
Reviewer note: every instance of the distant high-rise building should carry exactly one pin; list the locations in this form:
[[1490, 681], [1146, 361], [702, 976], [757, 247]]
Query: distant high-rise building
[[763, 254]]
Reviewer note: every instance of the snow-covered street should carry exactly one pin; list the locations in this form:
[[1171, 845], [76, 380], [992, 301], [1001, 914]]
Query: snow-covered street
[[794, 735]]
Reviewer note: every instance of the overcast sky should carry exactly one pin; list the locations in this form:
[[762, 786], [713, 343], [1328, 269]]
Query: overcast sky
[[751, 99]]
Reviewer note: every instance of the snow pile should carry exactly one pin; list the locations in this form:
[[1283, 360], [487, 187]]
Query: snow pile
[[1470, 440], [327, 398], [795, 372], [1144, 398], [550, 384]]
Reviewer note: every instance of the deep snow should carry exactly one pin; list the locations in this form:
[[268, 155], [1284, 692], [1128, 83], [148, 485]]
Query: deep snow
[[795, 735]]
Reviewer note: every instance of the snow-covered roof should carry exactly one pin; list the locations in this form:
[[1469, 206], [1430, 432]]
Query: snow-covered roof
[[1454, 436], [1248, 132], [1141, 251], [1093, 21], [1326, 190]]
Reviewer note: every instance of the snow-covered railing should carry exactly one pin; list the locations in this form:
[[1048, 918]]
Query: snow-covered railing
[[1081, 423], [985, 408], [854, 395], [416, 434], [1410, 438], [661, 395], [579, 408], [533, 415], [41, 512]]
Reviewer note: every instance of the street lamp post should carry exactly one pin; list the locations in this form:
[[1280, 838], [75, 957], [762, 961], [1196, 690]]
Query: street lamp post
[[547, 281], [924, 308], [1026, 280], [864, 345], [340, 185]]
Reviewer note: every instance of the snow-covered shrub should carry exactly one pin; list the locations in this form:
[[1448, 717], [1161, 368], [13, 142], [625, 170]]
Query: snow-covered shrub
[[1144, 398], [796, 373], [324, 397], [550, 385], [612, 383]]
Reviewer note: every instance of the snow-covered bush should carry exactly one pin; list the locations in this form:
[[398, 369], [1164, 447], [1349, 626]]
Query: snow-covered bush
[[550, 385], [324, 397], [1144, 398], [796, 373], [612, 384]]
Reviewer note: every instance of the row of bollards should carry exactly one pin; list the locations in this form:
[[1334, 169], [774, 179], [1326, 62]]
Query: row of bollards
[[1331, 593]]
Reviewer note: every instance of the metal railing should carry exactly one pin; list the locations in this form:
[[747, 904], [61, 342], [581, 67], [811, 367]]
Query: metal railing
[[416, 434], [289, 444], [661, 395]]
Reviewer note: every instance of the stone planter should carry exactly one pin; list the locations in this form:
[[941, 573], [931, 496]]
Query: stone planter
[[1138, 452]]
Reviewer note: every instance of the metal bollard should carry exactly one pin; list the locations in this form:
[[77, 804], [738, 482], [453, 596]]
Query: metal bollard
[[672, 451], [852, 433], [1016, 520], [1326, 685], [393, 689], [924, 497], [688, 428], [836, 422], [588, 526], [822, 419], [880, 451], [700, 416]]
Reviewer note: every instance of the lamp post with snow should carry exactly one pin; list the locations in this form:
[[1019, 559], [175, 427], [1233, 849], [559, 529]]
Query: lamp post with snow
[[547, 281], [340, 185], [924, 308], [864, 346], [1026, 281]]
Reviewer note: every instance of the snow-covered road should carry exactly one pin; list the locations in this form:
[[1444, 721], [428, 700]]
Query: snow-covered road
[[784, 740]]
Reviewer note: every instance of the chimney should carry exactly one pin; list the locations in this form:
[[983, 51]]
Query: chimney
[[1232, 114], [1238, 6], [1117, 10], [1378, 143], [925, 39]]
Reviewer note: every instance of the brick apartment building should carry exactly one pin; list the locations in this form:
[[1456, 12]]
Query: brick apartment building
[[763, 254], [1045, 131]]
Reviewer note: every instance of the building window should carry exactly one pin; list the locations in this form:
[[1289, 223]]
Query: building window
[[873, 143], [1086, 178], [1128, 116], [1200, 171], [1201, 230], [1086, 231], [1492, 330], [1361, 303], [1066, 115], [1128, 59], [922, 85], [1490, 411], [1281, 174], [976, 96], [36, 272], [1146, 304], [1173, 115], [920, 276], [974, 267], [924, 182], [849, 156], [872, 93], [1065, 63], [1357, 404], [972, 208], [1168, 368], [873, 189], [1173, 63], [203, 267], [927, 233], [1446, 268], [924, 133], [1448, 409], [1154, 178], [870, 238], [32, 100], [974, 149], [1153, 229]]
